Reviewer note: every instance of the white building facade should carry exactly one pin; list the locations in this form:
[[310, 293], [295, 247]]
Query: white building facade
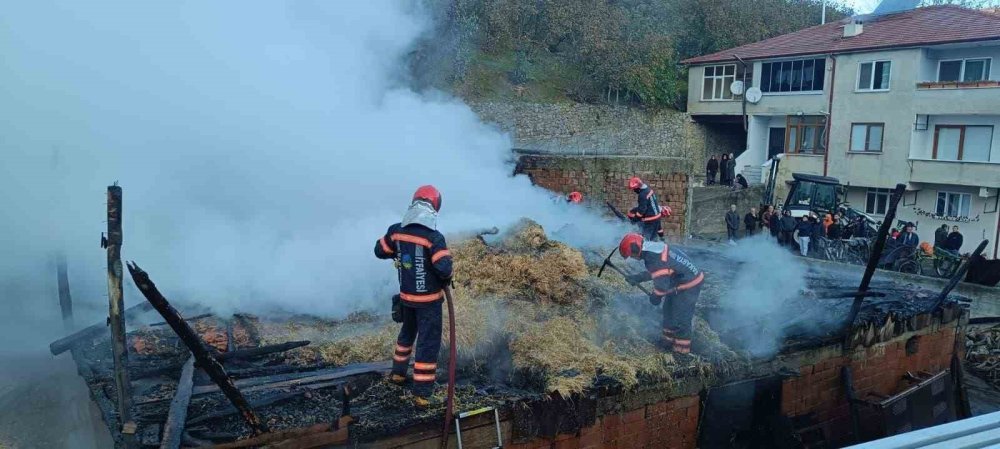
[[926, 115]]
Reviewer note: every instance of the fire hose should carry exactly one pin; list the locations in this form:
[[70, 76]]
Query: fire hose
[[452, 355]]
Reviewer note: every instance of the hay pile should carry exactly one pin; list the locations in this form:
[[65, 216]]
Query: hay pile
[[531, 314]]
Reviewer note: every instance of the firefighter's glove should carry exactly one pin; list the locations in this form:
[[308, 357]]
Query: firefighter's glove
[[655, 299], [635, 279], [397, 309]]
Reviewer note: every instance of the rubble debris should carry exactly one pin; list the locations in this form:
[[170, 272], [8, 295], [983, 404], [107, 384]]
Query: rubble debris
[[982, 353]]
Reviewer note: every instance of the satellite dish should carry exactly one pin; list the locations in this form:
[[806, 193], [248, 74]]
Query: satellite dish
[[736, 88], [754, 95]]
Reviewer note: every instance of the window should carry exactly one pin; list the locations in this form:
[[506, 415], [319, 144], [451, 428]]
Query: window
[[874, 75], [803, 75], [806, 134], [877, 201], [866, 137], [964, 70], [962, 143], [718, 78], [953, 204]]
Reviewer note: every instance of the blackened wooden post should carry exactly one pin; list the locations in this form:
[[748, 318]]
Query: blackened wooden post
[[65, 301], [202, 356], [119, 349], [877, 248]]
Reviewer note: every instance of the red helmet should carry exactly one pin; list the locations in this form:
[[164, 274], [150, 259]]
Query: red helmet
[[574, 197], [666, 211], [634, 183], [430, 194], [630, 244]]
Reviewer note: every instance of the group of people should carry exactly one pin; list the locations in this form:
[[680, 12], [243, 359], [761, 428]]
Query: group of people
[[424, 263], [949, 241], [725, 167], [785, 228]]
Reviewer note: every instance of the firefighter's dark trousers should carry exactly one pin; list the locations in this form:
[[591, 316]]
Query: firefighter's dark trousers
[[422, 325], [678, 313], [651, 230]]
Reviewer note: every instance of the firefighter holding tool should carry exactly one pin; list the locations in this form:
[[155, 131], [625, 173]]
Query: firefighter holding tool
[[424, 266], [648, 212], [676, 283]]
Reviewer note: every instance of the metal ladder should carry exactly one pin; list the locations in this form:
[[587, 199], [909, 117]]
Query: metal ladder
[[478, 411]]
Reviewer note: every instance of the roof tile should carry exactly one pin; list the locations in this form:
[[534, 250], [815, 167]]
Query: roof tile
[[922, 26]]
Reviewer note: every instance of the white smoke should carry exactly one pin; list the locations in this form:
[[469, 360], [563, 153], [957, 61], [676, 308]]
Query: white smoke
[[263, 147], [768, 279]]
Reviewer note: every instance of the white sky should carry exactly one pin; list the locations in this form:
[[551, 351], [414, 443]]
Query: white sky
[[861, 6]]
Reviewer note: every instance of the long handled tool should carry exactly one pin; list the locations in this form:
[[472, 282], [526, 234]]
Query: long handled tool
[[452, 356], [607, 263]]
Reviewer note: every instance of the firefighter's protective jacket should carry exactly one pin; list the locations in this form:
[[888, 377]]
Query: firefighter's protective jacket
[[669, 268], [424, 262], [649, 206]]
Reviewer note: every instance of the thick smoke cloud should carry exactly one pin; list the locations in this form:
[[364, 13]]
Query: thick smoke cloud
[[262, 148]]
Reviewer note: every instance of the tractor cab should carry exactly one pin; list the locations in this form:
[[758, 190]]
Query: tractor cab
[[812, 193]]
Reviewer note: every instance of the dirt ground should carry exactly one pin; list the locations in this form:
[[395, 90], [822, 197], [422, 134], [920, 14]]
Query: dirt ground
[[44, 404]]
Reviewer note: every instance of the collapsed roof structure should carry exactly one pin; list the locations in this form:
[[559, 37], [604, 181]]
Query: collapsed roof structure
[[542, 338]]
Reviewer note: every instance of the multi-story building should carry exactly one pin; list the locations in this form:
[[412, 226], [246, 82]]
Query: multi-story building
[[911, 97]]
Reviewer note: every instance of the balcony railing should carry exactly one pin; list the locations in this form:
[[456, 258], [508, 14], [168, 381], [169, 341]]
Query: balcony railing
[[958, 84]]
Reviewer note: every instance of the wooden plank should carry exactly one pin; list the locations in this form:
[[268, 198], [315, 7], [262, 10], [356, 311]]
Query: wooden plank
[[297, 379], [68, 342], [119, 347], [263, 350], [65, 300], [203, 357], [173, 429]]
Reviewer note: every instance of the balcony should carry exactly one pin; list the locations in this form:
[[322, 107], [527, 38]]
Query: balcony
[[973, 174], [951, 97]]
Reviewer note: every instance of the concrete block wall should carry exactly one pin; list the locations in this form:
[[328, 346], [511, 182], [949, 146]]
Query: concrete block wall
[[602, 179], [665, 425], [710, 204]]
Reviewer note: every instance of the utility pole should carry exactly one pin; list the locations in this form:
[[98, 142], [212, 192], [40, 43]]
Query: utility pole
[[822, 17]]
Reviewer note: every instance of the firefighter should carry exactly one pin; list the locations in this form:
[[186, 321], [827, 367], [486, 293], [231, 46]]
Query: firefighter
[[424, 266], [574, 198], [648, 213], [676, 282]]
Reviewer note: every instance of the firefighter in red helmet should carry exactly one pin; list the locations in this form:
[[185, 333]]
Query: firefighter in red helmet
[[425, 268], [676, 283], [574, 197], [648, 212]]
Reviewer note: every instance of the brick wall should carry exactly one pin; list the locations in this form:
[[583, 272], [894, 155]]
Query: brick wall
[[603, 179], [664, 425], [818, 391]]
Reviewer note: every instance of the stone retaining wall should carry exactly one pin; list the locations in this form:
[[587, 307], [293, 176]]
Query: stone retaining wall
[[605, 178]]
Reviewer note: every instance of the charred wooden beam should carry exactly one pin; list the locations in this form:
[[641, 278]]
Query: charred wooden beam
[[189, 319], [318, 435], [301, 379], [68, 342], [876, 254], [263, 350], [119, 348], [65, 300], [202, 356], [173, 429], [229, 410], [959, 275]]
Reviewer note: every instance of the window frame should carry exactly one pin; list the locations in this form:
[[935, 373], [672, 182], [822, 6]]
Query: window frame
[[868, 136], [819, 138], [871, 81], [877, 192], [718, 78], [961, 142], [967, 197], [961, 70], [767, 67]]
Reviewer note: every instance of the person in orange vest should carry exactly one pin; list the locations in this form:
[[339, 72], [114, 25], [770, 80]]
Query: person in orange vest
[[425, 269], [648, 212], [676, 282]]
